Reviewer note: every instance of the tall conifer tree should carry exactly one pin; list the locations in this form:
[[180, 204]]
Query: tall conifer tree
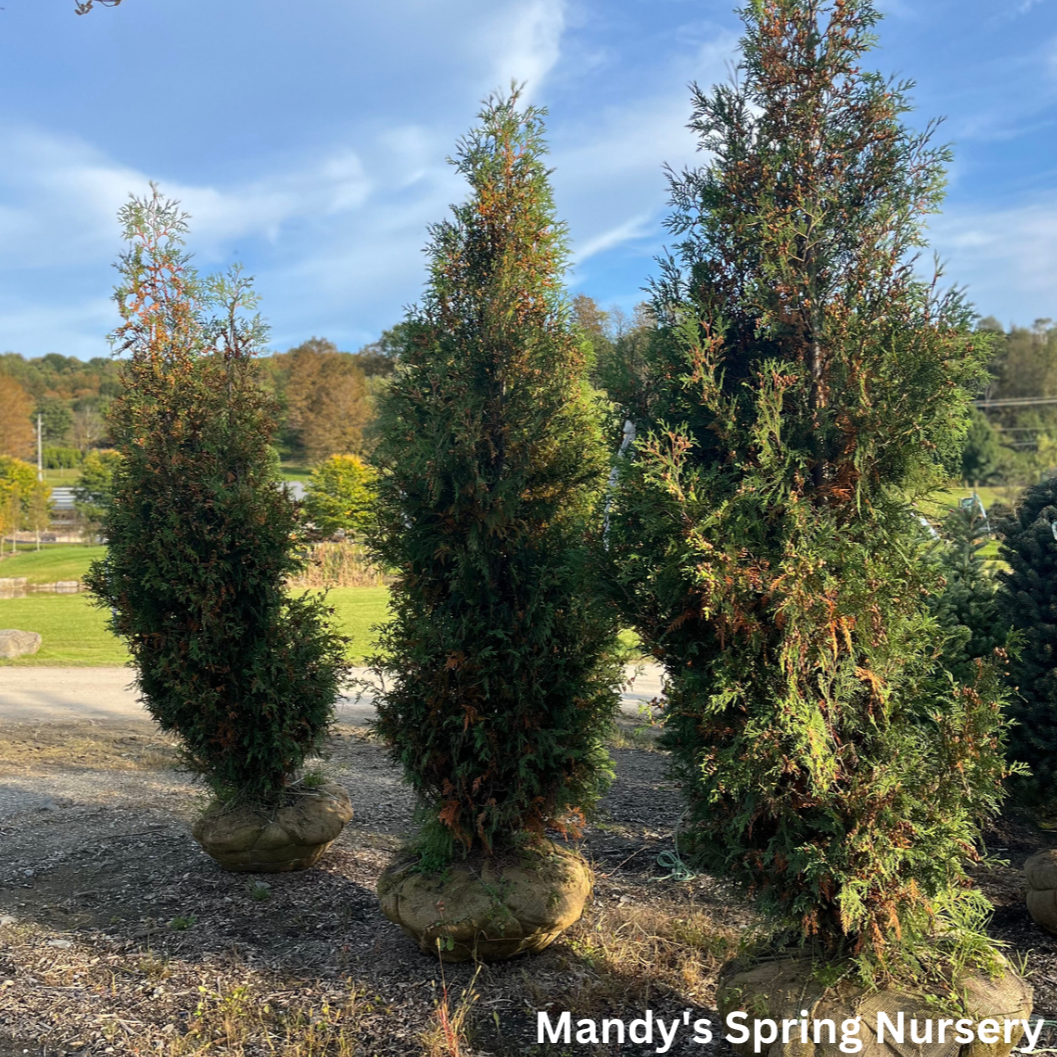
[[803, 386], [200, 536], [491, 462]]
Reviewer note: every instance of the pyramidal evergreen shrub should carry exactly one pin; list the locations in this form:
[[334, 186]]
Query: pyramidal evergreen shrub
[[803, 386], [499, 662], [200, 535], [1028, 601], [967, 606]]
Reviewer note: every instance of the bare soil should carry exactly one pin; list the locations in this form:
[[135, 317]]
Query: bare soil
[[118, 935]]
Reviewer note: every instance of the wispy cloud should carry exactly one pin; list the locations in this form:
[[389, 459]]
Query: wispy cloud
[[1004, 257], [527, 43]]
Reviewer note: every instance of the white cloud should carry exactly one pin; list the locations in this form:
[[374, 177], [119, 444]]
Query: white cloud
[[1005, 257], [527, 43], [609, 177]]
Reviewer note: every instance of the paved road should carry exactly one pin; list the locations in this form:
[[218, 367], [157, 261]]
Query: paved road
[[35, 695]]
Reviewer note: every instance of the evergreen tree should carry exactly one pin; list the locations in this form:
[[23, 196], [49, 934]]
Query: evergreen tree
[[803, 385], [1028, 599], [967, 606], [982, 455], [200, 535], [490, 459]]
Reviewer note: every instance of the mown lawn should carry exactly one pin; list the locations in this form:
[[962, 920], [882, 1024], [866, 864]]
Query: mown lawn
[[54, 561], [75, 633]]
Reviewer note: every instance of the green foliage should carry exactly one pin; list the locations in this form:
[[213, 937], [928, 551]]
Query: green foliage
[[982, 455], [94, 490], [1028, 598], [61, 458], [967, 606], [201, 536], [801, 385], [340, 496], [56, 418], [491, 460], [25, 502]]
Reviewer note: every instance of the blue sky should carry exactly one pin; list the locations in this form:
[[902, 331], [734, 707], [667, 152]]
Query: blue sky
[[308, 140]]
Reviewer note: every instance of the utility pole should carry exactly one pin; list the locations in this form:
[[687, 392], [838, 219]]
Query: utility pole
[[40, 470]]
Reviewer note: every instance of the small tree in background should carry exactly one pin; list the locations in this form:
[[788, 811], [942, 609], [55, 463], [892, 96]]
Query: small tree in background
[[1028, 601], [94, 489], [25, 502], [967, 606], [200, 535], [803, 386], [491, 460], [982, 454], [340, 496]]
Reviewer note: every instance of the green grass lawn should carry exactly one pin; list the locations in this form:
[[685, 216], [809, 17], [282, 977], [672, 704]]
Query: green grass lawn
[[75, 633], [295, 472], [54, 561]]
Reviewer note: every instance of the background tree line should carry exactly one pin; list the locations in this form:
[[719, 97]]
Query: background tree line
[[327, 397], [326, 400]]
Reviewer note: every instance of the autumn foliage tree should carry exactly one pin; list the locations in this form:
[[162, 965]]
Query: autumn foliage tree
[[491, 459], [802, 385], [17, 437]]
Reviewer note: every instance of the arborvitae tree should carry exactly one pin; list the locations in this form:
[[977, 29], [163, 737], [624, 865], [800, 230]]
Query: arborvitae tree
[[967, 606], [491, 460], [1028, 599], [803, 386], [200, 536]]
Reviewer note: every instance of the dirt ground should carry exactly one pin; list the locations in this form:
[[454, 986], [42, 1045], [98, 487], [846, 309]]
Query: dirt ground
[[118, 936]]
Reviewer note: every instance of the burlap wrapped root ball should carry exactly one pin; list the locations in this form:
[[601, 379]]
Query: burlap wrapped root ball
[[486, 908], [1040, 871], [252, 839], [782, 989]]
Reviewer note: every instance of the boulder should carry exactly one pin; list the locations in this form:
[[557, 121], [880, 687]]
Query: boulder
[[488, 908], [18, 643], [252, 839], [784, 988], [1040, 871]]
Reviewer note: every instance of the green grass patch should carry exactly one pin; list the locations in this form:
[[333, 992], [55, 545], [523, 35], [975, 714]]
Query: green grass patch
[[295, 472], [54, 561], [69, 476], [938, 503], [356, 609], [74, 633]]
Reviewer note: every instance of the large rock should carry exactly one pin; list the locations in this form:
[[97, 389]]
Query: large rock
[[252, 839], [1040, 871], [488, 908], [784, 988], [18, 643]]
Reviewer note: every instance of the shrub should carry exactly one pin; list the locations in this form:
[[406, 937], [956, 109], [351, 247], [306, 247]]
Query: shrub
[[1028, 601], [491, 458], [25, 502], [340, 494], [56, 458], [94, 489], [967, 606], [200, 534], [802, 384]]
